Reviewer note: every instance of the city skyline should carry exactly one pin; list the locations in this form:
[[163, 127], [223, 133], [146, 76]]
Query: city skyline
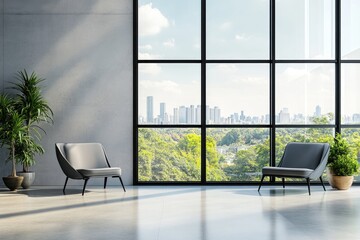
[[191, 114]]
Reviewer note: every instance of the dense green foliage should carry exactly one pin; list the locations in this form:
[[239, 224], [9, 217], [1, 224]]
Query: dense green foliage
[[232, 154]]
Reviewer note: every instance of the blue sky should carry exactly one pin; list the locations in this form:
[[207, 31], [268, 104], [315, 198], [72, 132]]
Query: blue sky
[[239, 30]]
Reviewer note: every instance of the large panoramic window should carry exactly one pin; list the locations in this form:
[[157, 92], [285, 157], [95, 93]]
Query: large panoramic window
[[220, 87]]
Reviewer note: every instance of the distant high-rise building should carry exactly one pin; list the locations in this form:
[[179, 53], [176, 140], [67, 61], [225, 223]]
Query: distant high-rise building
[[192, 114], [212, 115], [207, 114], [188, 115], [182, 114], [356, 118], [176, 116], [198, 114], [267, 118], [284, 116], [317, 111], [236, 115], [162, 112], [216, 115], [242, 116], [150, 109]]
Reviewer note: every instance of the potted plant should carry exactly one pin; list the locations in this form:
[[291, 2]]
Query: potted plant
[[12, 131], [342, 164], [35, 110]]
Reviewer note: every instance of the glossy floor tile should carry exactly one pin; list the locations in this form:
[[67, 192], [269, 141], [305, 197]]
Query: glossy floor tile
[[166, 213]]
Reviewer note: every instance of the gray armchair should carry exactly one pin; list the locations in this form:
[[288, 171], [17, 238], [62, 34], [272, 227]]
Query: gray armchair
[[84, 161], [300, 160]]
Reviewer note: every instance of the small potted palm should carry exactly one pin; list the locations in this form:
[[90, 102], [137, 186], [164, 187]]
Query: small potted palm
[[35, 110], [342, 164], [12, 131]]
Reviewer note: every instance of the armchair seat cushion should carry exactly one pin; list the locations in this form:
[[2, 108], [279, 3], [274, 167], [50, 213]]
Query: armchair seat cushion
[[100, 172], [287, 172]]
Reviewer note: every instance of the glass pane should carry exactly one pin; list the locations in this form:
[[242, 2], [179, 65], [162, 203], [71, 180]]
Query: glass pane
[[169, 94], [237, 29], [286, 135], [237, 94], [305, 93], [169, 29], [350, 29], [305, 29], [350, 98], [352, 135], [169, 154], [236, 154]]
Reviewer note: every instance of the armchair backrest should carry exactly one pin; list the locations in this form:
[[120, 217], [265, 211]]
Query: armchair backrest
[[73, 156], [305, 155]]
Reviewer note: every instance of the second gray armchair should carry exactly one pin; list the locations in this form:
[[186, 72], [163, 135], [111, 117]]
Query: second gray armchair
[[300, 160]]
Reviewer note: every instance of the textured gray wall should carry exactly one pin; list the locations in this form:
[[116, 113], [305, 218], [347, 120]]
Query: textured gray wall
[[84, 50]]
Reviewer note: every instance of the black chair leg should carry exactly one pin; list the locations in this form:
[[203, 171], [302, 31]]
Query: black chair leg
[[122, 184], [283, 182], [83, 191], [262, 179], [322, 183], [105, 181], [308, 183], [65, 185]]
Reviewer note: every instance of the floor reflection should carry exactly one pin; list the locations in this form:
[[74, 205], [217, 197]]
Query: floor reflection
[[163, 213]]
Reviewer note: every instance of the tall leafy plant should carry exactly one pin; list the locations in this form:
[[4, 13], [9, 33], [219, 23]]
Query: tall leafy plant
[[12, 128], [35, 110]]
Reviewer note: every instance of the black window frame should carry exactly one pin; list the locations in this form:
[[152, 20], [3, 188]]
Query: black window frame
[[272, 126]]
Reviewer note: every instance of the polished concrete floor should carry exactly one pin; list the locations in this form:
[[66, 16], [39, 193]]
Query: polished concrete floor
[[185, 213]]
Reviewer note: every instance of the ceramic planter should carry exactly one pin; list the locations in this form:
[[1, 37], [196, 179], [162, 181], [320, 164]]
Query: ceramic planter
[[339, 182], [13, 183], [342, 182], [29, 178]]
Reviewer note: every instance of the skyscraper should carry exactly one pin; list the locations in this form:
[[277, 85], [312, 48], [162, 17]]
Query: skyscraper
[[182, 114], [284, 116], [150, 109], [317, 111], [216, 114], [192, 114], [198, 114], [162, 112], [176, 116]]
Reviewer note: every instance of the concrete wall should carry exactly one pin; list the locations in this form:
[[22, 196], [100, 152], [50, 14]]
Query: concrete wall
[[84, 50]]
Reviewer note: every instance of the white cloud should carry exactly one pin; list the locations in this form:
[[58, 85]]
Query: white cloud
[[151, 20], [147, 47], [291, 74], [241, 37], [167, 86], [226, 25], [169, 43], [150, 68], [147, 56], [227, 68]]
